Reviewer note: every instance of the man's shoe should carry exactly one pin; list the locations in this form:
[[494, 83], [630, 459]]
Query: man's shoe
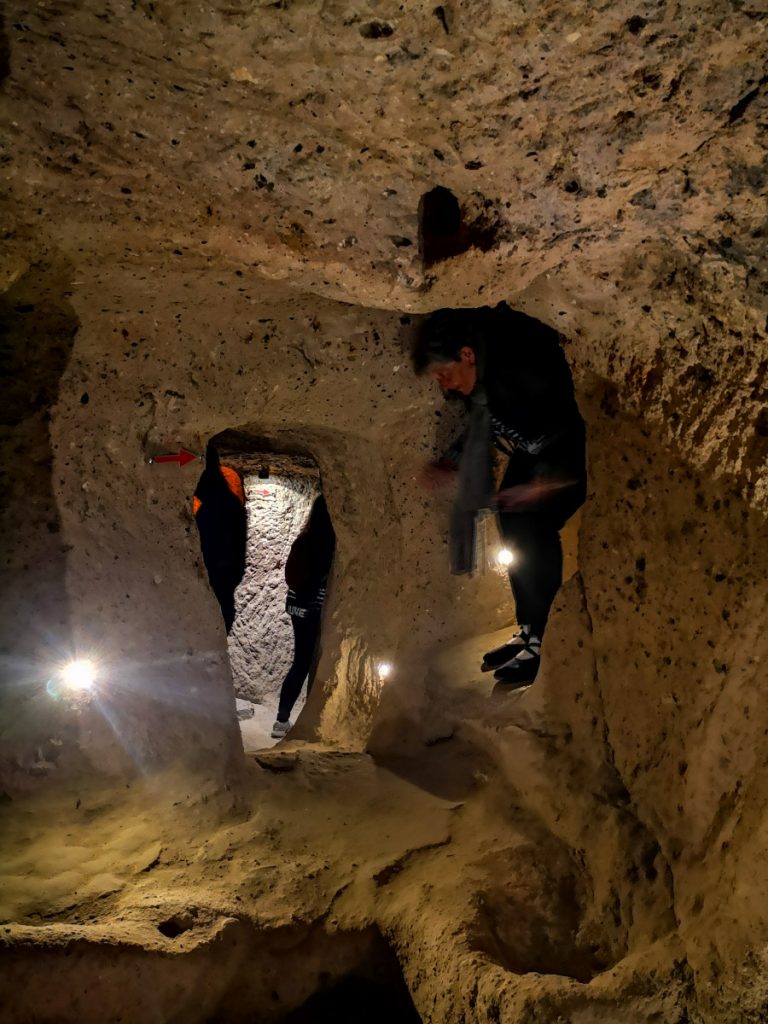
[[281, 729], [518, 673], [522, 669], [501, 655]]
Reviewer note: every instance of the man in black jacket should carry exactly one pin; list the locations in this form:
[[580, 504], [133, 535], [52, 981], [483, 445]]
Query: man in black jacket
[[516, 383]]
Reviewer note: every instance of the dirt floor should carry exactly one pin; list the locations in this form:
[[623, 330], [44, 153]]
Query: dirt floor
[[256, 730], [170, 900]]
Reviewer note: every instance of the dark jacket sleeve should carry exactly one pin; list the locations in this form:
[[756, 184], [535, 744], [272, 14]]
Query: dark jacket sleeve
[[528, 379]]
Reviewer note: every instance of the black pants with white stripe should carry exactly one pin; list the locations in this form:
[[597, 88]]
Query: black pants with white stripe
[[533, 533], [305, 633]]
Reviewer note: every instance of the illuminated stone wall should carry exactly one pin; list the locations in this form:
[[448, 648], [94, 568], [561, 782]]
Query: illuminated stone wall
[[261, 641]]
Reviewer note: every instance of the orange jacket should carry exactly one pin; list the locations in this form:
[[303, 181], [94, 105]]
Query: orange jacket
[[234, 483]]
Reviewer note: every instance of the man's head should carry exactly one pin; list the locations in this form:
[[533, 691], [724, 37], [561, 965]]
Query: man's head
[[458, 376], [446, 349]]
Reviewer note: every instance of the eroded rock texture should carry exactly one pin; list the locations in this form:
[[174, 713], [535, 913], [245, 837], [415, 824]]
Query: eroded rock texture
[[260, 643], [216, 220]]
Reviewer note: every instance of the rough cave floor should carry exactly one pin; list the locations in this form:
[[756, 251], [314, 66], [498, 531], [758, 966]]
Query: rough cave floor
[[318, 874], [255, 730]]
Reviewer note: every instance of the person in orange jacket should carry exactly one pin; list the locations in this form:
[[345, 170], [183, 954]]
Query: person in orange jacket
[[219, 509]]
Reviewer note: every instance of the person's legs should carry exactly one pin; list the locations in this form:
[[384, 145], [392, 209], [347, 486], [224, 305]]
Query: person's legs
[[533, 534], [305, 638], [224, 583], [536, 573], [534, 576]]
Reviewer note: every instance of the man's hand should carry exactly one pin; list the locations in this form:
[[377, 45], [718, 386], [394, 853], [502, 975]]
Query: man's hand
[[436, 476], [514, 499]]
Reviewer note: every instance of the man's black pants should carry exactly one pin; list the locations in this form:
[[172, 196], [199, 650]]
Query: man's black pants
[[305, 633], [533, 533]]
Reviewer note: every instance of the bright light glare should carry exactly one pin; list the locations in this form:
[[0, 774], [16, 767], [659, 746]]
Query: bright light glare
[[505, 557], [79, 675], [384, 669]]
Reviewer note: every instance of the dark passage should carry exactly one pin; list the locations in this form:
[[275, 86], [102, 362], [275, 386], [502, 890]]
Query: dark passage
[[295, 974], [355, 1000]]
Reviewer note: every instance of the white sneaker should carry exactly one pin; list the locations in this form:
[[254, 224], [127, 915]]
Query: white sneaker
[[280, 729]]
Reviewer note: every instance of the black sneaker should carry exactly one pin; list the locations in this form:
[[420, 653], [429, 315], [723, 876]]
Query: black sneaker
[[501, 655], [522, 669], [518, 673]]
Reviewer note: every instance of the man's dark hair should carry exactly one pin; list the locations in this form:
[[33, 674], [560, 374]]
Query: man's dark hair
[[442, 335]]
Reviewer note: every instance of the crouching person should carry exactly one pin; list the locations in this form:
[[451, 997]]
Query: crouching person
[[512, 375]]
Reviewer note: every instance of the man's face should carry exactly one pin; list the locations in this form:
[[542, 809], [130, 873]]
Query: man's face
[[459, 375]]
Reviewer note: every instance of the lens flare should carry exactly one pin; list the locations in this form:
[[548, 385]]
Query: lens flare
[[384, 668], [79, 676], [505, 557]]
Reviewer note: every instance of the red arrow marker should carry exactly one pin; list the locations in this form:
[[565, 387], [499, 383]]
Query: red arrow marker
[[182, 458]]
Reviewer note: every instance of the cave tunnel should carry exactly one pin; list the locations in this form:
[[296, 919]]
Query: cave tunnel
[[212, 235], [279, 492]]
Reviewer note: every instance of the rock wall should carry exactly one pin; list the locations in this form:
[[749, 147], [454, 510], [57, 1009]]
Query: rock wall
[[37, 326], [260, 644], [676, 620], [187, 368]]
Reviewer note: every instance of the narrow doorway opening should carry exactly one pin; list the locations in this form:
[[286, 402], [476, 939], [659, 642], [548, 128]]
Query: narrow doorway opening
[[280, 492]]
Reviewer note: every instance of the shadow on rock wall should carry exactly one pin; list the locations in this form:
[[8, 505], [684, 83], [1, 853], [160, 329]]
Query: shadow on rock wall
[[37, 326]]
